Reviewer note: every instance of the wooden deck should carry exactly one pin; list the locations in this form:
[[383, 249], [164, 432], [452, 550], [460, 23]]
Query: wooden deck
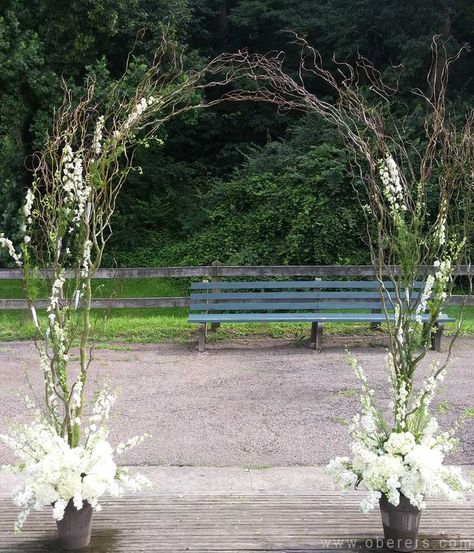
[[251, 524]]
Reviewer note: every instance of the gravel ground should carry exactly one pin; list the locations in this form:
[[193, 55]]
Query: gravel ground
[[253, 403]]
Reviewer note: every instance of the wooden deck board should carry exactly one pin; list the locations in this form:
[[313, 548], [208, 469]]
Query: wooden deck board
[[240, 524]]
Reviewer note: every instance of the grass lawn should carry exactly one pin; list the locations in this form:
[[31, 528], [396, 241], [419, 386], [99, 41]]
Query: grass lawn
[[154, 325]]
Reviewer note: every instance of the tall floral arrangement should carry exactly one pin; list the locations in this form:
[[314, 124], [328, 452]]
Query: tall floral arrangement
[[399, 456], [66, 223], [417, 195]]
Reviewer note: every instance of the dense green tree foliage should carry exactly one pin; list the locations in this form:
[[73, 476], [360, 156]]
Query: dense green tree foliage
[[238, 182]]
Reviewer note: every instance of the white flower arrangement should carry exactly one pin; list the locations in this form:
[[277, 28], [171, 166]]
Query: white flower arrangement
[[406, 459], [56, 473]]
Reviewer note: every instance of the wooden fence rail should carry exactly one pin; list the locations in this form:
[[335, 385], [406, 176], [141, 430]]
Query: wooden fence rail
[[257, 271], [216, 271]]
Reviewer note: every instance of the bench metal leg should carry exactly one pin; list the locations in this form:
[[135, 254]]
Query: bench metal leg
[[376, 326], [317, 331], [202, 337], [436, 336]]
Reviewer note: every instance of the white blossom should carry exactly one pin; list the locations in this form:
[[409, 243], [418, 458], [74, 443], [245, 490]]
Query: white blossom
[[425, 296], [55, 473], [392, 185], [86, 259], [139, 109], [74, 184], [97, 140], [407, 460], [76, 394], [29, 199], [8, 245]]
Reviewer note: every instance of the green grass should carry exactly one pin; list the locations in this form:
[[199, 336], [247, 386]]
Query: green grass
[[468, 413], [443, 407], [348, 392], [150, 325]]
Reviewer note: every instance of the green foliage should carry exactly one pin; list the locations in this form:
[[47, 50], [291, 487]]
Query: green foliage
[[64, 40], [26, 85], [171, 212], [290, 203], [301, 214]]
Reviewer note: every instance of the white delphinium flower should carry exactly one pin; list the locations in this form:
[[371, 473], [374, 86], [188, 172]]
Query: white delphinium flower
[[453, 484], [97, 140], [8, 245], [440, 230], [29, 200], [76, 188], [368, 423], [425, 296], [131, 443], [139, 109], [142, 105], [101, 410], [393, 189], [76, 398], [54, 301], [427, 391], [86, 259], [27, 209], [401, 399]]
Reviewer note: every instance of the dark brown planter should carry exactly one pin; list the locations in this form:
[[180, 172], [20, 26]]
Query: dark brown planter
[[400, 524], [74, 530]]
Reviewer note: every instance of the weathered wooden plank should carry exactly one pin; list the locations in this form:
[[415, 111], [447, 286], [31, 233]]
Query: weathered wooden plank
[[106, 303], [241, 271], [118, 303], [458, 299], [256, 524]]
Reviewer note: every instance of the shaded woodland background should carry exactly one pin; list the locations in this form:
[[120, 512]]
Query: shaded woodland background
[[237, 182]]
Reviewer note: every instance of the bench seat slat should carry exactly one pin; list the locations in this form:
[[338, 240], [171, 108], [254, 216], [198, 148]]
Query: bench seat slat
[[288, 295], [298, 317], [265, 285]]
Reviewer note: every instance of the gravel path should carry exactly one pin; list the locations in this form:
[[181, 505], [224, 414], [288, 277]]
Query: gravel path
[[242, 403]]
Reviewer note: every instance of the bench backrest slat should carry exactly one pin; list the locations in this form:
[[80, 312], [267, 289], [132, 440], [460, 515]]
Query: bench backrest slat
[[304, 295], [295, 284], [277, 306]]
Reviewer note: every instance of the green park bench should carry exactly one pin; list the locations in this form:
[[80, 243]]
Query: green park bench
[[315, 301]]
